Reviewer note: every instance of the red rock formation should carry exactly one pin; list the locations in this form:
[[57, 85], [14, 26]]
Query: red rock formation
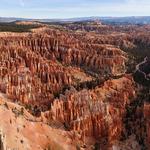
[[69, 50], [28, 77], [37, 67], [98, 112], [29, 68]]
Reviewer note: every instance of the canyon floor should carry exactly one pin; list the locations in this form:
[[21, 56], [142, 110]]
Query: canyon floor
[[74, 86]]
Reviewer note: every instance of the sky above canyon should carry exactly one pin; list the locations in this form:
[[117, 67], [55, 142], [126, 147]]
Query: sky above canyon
[[73, 8]]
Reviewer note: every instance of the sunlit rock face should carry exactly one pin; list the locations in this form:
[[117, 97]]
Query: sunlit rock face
[[105, 59], [28, 77], [95, 113], [20, 130], [70, 87], [32, 66]]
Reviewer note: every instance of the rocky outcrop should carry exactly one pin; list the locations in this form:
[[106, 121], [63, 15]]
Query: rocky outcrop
[[29, 78], [75, 85], [109, 61], [71, 51], [33, 67], [95, 113], [19, 130]]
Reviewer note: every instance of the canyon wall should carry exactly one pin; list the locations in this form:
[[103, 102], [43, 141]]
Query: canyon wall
[[77, 81], [33, 67], [95, 113]]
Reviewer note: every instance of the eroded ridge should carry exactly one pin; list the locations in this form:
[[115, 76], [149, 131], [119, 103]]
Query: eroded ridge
[[71, 86]]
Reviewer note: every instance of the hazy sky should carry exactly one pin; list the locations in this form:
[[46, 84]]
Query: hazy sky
[[73, 8]]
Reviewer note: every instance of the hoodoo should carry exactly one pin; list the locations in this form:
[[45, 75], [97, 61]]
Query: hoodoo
[[74, 85]]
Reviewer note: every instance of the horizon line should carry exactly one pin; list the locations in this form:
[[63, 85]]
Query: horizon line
[[126, 16]]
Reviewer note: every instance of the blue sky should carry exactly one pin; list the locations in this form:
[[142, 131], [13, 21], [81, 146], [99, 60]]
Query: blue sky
[[73, 8]]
